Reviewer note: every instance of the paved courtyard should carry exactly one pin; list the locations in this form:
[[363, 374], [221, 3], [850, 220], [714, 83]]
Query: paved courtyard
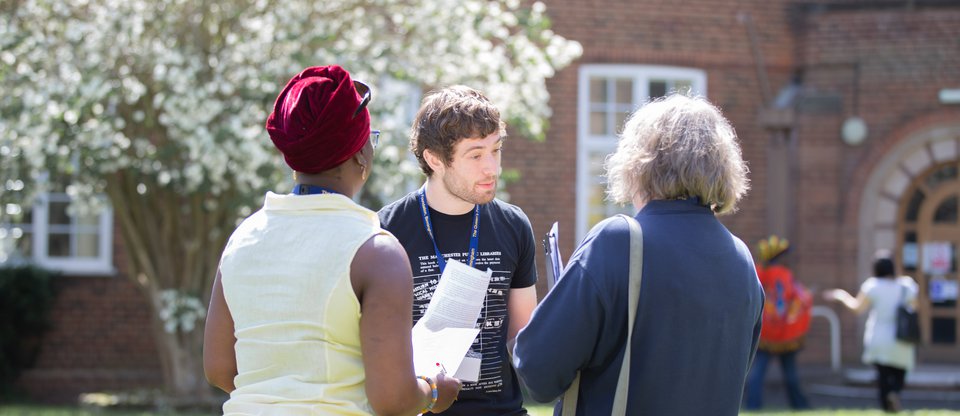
[[928, 387]]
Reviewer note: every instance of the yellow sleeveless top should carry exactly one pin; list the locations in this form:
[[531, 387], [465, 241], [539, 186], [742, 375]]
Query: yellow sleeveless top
[[286, 279]]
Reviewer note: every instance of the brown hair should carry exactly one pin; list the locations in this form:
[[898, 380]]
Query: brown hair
[[449, 115]]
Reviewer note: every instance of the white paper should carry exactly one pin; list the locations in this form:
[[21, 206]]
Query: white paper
[[449, 326], [458, 299], [445, 347], [937, 257], [469, 370]]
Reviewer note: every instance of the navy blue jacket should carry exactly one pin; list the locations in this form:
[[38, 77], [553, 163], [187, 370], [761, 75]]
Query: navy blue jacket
[[697, 324]]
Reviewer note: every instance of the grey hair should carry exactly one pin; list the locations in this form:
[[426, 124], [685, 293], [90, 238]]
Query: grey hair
[[678, 147]]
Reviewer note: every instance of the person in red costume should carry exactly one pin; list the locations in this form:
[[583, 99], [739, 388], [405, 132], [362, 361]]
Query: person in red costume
[[786, 319]]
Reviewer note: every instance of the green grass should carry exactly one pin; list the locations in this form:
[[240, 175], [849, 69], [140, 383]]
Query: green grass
[[37, 410], [535, 410], [31, 410], [547, 410], [858, 412]]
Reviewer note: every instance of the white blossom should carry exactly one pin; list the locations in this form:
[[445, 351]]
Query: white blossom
[[177, 92], [179, 311]]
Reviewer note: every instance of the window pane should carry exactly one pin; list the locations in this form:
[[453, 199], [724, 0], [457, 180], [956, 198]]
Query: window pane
[[595, 209], [947, 211], [621, 121], [624, 88], [596, 165], [87, 221], [598, 123], [58, 213], [944, 331], [657, 89], [944, 174], [913, 207], [598, 90], [58, 245], [88, 245], [683, 86], [598, 207], [910, 251]]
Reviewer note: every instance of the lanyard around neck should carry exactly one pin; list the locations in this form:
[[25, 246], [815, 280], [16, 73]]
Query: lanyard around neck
[[304, 189], [474, 233]]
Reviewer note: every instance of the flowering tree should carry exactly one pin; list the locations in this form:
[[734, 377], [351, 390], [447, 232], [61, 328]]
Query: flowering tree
[[160, 106]]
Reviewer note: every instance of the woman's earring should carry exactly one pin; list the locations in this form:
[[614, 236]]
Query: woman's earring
[[363, 172]]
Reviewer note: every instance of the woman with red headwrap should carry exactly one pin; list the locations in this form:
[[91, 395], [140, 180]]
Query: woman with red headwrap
[[310, 310]]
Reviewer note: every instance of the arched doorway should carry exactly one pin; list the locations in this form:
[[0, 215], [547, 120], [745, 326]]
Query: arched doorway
[[929, 240], [910, 204]]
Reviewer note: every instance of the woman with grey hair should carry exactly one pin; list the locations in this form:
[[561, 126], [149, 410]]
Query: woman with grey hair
[[698, 319]]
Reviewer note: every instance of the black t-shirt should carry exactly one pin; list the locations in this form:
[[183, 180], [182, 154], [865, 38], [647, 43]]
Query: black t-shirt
[[507, 247]]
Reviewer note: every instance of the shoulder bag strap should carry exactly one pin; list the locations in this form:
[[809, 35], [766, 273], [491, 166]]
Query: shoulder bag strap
[[570, 398], [636, 276], [569, 406]]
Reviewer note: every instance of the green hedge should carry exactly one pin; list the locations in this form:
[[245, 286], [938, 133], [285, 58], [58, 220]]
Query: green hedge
[[26, 295]]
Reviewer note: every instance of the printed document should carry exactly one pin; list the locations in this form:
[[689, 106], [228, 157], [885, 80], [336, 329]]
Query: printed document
[[443, 336]]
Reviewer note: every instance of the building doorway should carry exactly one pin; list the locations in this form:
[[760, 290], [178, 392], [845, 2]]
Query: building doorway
[[928, 246]]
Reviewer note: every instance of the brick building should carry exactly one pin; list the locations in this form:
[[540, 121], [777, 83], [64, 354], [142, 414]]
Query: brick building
[[847, 111], [791, 77]]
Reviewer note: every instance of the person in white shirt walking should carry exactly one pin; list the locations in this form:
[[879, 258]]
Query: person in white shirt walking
[[881, 294]]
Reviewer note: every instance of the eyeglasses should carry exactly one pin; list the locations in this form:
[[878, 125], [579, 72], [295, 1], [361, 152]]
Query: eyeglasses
[[365, 95], [375, 138]]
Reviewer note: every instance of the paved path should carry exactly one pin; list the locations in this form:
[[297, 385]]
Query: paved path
[[928, 387]]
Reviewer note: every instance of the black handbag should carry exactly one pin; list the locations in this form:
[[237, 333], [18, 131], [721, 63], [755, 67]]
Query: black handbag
[[908, 324]]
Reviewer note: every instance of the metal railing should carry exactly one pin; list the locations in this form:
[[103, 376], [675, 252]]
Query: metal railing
[[831, 317]]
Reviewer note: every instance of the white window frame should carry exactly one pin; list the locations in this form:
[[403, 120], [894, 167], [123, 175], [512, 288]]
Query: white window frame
[[588, 143], [71, 265]]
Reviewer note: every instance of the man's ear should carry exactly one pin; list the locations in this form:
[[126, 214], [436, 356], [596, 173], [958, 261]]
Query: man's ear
[[434, 161]]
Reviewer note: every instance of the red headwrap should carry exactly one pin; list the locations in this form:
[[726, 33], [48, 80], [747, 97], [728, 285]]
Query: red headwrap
[[312, 122]]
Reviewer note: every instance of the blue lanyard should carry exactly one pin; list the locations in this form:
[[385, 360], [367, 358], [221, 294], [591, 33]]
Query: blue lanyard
[[474, 234], [304, 189]]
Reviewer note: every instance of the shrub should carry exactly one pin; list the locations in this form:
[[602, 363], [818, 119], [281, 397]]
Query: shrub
[[26, 295]]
